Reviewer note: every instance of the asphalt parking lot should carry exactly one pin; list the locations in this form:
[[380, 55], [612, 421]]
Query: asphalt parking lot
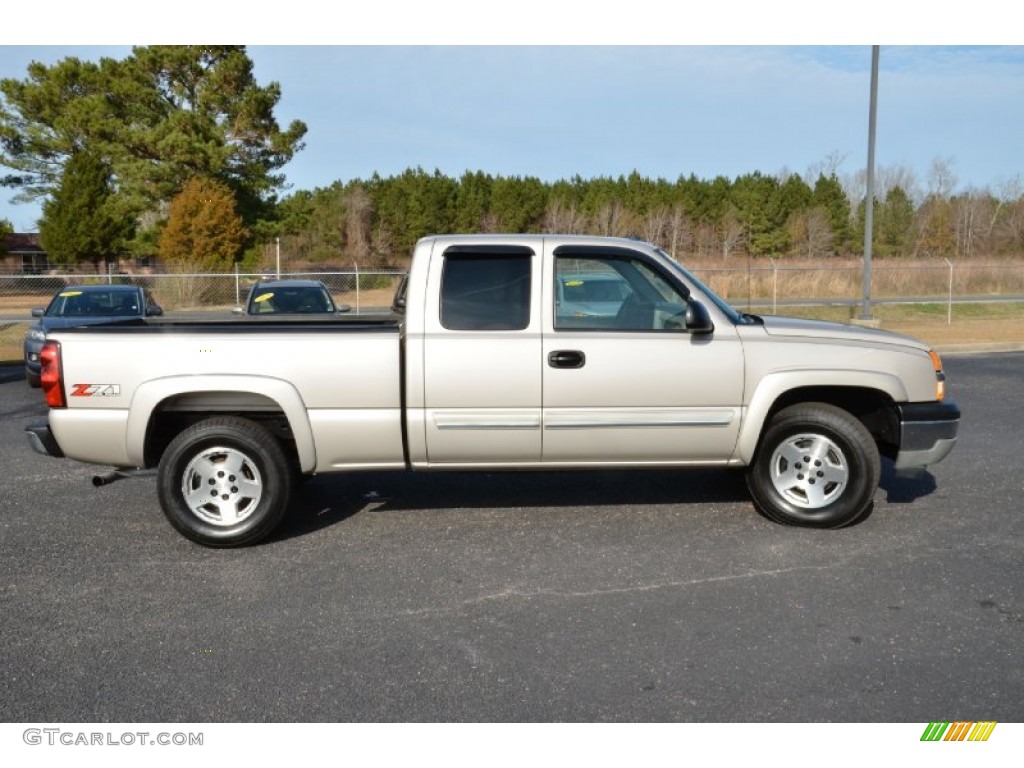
[[611, 596]]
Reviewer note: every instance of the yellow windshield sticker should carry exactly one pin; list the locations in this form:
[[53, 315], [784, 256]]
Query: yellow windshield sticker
[[71, 293], [264, 297], [574, 283]]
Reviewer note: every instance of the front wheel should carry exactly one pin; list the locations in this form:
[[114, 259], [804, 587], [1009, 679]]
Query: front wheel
[[817, 466], [224, 482]]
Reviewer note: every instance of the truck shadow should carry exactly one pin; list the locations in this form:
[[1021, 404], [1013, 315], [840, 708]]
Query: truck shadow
[[11, 373], [330, 499], [906, 487]]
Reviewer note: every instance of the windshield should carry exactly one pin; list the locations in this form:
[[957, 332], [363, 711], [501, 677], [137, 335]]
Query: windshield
[[305, 299], [737, 317], [93, 303]]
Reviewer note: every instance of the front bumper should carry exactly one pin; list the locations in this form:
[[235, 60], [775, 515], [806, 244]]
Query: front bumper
[[927, 433], [41, 439]]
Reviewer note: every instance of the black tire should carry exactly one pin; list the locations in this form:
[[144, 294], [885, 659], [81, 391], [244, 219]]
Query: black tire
[[33, 379], [246, 468], [835, 488]]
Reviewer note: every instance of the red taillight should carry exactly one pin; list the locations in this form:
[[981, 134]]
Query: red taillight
[[52, 379]]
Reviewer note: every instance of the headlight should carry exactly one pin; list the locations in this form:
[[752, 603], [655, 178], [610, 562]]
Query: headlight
[[36, 334]]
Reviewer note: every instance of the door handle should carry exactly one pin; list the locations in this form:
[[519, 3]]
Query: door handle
[[567, 358]]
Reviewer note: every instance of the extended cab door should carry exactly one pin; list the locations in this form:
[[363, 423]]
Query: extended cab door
[[482, 356], [624, 382]]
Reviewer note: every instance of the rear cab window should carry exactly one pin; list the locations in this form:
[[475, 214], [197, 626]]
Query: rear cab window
[[486, 291]]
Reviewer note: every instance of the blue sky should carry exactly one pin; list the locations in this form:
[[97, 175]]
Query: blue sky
[[664, 110]]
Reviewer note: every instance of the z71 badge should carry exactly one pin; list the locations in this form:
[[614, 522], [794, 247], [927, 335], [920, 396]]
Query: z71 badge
[[95, 390]]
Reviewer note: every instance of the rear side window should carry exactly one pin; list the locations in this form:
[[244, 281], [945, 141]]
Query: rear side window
[[485, 292]]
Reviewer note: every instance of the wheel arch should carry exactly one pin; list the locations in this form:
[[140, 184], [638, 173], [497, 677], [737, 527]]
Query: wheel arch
[[161, 409], [868, 396]]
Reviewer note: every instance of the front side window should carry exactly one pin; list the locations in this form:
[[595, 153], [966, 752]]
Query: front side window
[[485, 292], [615, 293]]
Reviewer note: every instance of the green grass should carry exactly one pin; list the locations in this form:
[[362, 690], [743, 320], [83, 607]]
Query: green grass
[[11, 337]]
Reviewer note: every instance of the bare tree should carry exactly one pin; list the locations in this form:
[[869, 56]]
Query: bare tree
[[680, 231], [655, 226], [732, 233], [563, 217], [1013, 224], [820, 235], [892, 176], [974, 212], [941, 179], [887, 177], [706, 240], [811, 233], [356, 224], [383, 246], [828, 166], [490, 223], [1010, 190], [609, 219]]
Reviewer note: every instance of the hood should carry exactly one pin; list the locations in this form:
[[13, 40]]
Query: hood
[[820, 329]]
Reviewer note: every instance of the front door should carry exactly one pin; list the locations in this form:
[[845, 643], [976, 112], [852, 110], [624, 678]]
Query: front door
[[623, 380]]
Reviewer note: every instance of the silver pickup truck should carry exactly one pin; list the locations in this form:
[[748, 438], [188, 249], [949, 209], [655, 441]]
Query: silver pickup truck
[[504, 352]]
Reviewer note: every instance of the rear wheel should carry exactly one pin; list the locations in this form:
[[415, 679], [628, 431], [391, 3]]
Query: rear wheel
[[817, 466], [224, 482]]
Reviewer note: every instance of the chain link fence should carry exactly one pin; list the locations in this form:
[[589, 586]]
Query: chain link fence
[[755, 285], [778, 284], [762, 284], [363, 291]]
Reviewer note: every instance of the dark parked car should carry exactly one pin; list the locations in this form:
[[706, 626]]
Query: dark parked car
[[84, 305], [306, 297]]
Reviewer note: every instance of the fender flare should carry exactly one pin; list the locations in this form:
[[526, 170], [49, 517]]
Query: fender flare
[[149, 395], [774, 385]]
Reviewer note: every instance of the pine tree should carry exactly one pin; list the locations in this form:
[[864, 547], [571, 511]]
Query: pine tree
[[6, 228], [829, 194], [79, 222], [896, 224]]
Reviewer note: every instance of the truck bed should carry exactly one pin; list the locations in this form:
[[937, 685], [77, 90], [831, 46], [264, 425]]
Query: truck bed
[[340, 380]]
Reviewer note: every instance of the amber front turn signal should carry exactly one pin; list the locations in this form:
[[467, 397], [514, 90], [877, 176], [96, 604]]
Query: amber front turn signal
[[940, 377]]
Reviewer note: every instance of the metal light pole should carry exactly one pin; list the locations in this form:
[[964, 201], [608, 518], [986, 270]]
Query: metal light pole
[[869, 216], [277, 241]]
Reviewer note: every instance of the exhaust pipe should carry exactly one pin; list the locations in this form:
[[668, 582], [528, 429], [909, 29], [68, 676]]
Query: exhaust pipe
[[120, 474]]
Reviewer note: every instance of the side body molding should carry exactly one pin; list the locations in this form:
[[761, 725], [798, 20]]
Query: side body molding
[[774, 385], [151, 394]]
